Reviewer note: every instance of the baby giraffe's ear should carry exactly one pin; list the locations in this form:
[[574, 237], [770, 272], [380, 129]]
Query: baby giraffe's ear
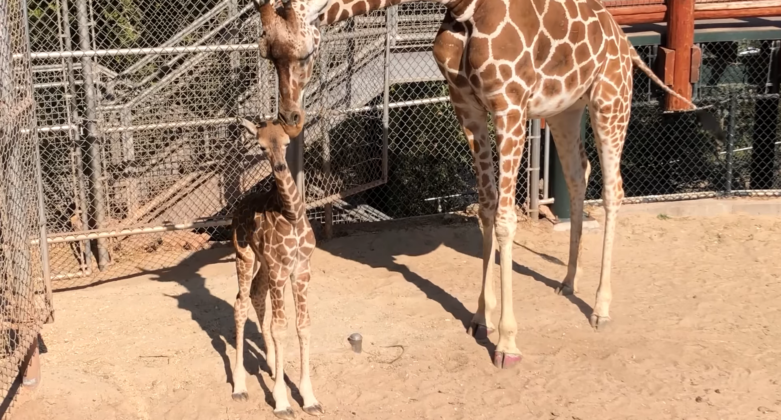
[[249, 126]]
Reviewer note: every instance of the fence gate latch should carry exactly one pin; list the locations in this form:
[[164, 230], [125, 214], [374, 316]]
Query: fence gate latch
[[694, 74], [665, 65]]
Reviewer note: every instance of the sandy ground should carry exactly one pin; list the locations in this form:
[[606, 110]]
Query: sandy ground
[[696, 332]]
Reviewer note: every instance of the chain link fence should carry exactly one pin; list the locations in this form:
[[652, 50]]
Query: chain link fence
[[143, 162], [24, 296]]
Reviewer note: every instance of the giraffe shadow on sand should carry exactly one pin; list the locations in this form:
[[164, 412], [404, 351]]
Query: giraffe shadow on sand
[[380, 250], [214, 315]]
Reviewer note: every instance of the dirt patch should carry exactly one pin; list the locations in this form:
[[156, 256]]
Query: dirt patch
[[696, 333]]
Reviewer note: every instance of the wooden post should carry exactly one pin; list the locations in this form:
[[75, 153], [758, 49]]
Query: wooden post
[[680, 38]]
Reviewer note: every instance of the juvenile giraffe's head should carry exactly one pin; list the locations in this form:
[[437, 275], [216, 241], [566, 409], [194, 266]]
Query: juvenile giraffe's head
[[273, 140], [290, 42]]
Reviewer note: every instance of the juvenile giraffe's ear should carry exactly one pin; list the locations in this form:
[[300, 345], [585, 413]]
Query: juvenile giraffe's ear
[[249, 126]]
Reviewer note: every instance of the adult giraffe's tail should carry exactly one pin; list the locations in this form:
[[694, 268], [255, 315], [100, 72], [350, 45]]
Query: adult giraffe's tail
[[708, 121]]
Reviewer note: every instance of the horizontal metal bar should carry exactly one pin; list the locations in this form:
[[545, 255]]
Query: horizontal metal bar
[[140, 51], [178, 50], [95, 234], [52, 128], [392, 105], [175, 124]]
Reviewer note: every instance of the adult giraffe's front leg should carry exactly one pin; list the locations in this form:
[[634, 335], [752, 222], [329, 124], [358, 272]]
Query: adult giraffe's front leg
[[449, 47], [510, 138]]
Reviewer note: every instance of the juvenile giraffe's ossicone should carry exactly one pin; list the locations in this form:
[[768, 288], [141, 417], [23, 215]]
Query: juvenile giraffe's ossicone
[[519, 60], [274, 242]]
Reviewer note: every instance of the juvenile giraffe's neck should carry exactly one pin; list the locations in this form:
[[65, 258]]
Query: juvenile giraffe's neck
[[292, 205], [328, 12]]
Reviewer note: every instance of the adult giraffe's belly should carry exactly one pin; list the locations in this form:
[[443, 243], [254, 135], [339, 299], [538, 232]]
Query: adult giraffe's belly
[[545, 102]]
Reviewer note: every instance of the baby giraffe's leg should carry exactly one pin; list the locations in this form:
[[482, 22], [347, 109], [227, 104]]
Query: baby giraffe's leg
[[245, 264], [258, 295], [277, 283], [300, 286]]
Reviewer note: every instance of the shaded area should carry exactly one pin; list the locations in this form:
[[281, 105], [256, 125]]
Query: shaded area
[[215, 316], [465, 239]]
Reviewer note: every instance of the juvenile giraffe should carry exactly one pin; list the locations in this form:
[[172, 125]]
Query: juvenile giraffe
[[517, 59], [273, 242]]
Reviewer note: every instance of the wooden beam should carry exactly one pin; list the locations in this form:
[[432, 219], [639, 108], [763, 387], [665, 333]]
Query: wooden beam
[[640, 18], [659, 17], [636, 10], [680, 38], [736, 5], [738, 13]]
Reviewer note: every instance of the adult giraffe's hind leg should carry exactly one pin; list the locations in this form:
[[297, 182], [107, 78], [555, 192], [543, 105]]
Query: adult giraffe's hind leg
[[565, 128], [609, 110], [448, 52]]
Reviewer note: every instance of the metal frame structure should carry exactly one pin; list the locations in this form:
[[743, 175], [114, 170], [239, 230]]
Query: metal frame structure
[[138, 161]]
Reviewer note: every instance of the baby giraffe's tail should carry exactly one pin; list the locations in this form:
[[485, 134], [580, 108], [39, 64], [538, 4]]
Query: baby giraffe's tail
[[708, 121]]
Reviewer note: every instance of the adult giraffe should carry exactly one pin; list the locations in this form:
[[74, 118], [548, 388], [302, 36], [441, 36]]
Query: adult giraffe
[[518, 59]]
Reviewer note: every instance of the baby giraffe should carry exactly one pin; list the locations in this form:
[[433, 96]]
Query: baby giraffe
[[273, 242]]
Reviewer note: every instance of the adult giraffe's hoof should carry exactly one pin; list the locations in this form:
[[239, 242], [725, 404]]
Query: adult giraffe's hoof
[[314, 410], [506, 360], [240, 396], [286, 414], [599, 323], [566, 290], [479, 332]]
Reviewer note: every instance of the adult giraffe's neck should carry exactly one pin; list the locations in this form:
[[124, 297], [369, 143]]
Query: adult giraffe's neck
[[292, 205], [331, 11]]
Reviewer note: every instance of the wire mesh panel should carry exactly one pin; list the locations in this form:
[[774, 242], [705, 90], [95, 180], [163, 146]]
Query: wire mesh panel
[[23, 303]]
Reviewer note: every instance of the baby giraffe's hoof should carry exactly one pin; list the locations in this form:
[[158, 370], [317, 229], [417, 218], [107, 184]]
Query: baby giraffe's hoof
[[479, 332], [599, 323], [506, 360], [314, 410], [286, 414], [240, 396]]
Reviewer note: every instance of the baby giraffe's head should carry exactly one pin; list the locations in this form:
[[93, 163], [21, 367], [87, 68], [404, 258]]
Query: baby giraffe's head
[[273, 141]]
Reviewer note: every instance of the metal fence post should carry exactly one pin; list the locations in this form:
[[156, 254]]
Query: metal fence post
[[78, 154], [328, 210], [534, 172], [90, 124], [42, 231], [390, 35], [733, 108]]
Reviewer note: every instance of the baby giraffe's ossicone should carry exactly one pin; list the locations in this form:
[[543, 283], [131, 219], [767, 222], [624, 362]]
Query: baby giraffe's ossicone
[[274, 242]]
